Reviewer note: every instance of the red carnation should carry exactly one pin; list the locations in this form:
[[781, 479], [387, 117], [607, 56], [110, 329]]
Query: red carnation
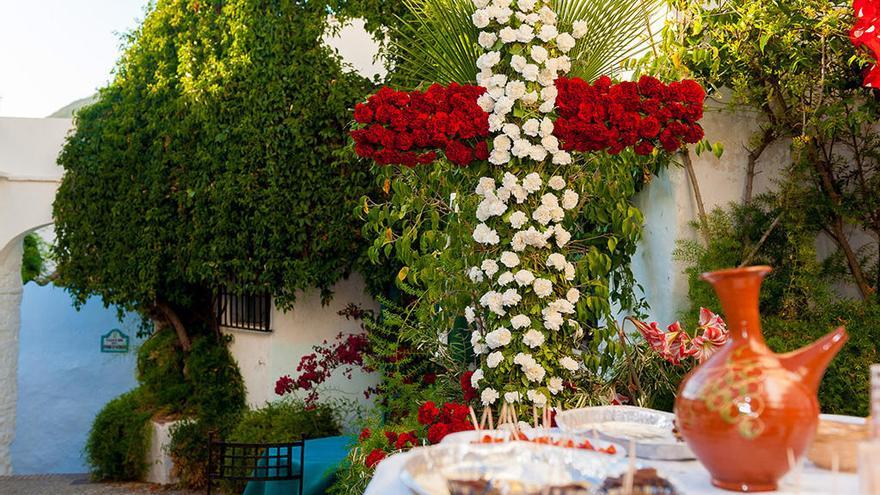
[[437, 432], [374, 458], [466, 388], [391, 437], [453, 412], [407, 439], [365, 434], [428, 413], [363, 114]]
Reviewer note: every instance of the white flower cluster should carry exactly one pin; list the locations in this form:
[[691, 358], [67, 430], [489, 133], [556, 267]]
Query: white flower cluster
[[541, 56], [520, 220]]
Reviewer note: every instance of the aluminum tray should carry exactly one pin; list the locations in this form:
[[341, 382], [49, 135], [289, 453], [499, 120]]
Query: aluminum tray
[[588, 421]]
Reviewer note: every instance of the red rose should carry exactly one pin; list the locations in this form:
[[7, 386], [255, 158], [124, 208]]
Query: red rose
[[374, 457], [365, 434], [649, 127], [437, 432], [428, 413]]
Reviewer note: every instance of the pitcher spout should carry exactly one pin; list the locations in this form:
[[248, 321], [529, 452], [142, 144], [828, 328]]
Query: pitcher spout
[[810, 362]]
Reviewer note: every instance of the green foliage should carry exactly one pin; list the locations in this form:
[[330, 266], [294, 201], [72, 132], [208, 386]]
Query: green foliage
[[119, 438], [34, 262], [207, 161], [160, 365], [792, 61], [437, 43], [286, 420], [189, 451], [425, 222]]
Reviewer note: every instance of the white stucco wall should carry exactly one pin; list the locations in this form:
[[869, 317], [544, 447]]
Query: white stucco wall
[[10, 299], [264, 357]]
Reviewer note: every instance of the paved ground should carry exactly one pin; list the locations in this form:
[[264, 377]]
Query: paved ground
[[77, 484]]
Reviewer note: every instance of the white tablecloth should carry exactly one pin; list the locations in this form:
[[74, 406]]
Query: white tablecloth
[[689, 477]]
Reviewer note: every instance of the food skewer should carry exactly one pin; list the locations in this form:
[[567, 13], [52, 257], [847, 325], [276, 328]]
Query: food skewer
[[630, 477], [474, 418]]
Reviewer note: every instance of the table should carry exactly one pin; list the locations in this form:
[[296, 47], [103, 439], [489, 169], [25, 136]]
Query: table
[[690, 477], [322, 455]]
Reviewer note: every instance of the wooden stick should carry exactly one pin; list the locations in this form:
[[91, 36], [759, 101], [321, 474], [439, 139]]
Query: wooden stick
[[630, 477], [483, 417], [534, 416], [474, 418], [491, 419]]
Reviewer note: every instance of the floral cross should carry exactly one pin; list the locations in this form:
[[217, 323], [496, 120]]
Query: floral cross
[[531, 121]]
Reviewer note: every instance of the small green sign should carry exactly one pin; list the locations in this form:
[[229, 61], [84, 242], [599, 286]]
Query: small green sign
[[114, 341]]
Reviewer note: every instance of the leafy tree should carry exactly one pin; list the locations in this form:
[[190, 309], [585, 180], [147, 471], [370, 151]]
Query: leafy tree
[[216, 157]]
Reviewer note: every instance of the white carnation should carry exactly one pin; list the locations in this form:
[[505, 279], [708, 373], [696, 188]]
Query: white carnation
[[499, 13], [501, 142], [475, 275], [569, 199], [542, 287], [480, 349], [517, 219], [546, 33], [476, 377], [503, 106], [525, 33], [539, 54], [494, 301], [555, 260], [565, 42], [509, 180], [499, 157], [498, 81], [494, 359], [562, 63], [556, 182], [531, 127], [489, 396], [532, 182], [487, 40], [546, 124], [550, 200], [552, 320], [573, 295], [512, 132], [480, 18], [569, 363], [579, 29], [520, 321], [534, 371], [511, 397], [538, 398], [554, 385], [476, 338], [521, 148], [569, 271], [488, 60], [533, 338], [561, 306], [490, 207], [484, 235], [561, 158], [547, 15], [524, 277], [489, 267], [530, 72], [485, 186], [542, 215], [547, 106], [509, 259], [485, 102], [507, 35], [498, 338], [549, 93], [510, 297], [520, 193], [505, 278], [515, 90], [530, 19], [537, 153], [481, 3], [546, 77], [530, 98], [526, 5], [518, 62]]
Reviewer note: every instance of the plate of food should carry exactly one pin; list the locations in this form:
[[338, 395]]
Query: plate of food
[[653, 432], [522, 468], [549, 437]]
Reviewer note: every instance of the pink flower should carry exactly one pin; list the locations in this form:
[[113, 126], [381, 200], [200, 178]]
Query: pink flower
[[675, 344]]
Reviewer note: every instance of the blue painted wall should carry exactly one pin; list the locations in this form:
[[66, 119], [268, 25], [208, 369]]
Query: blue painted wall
[[63, 378]]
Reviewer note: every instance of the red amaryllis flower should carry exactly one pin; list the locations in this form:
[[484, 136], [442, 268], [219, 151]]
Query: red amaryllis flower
[[437, 432], [865, 34], [674, 344], [374, 458], [428, 413]]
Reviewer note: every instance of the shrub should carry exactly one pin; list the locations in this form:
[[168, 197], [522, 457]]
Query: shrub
[[119, 438], [284, 421], [160, 365]]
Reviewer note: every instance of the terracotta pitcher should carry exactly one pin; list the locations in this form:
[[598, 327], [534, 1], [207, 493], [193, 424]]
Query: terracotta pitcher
[[746, 411]]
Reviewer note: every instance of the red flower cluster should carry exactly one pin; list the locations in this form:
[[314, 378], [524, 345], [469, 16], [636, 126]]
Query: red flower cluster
[[374, 457], [452, 418], [611, 117], [866, 32], [405, 128], [674, 345], [346, 352]]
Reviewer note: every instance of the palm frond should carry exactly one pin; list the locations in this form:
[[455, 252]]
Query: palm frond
[[617, 31], [438, 43]]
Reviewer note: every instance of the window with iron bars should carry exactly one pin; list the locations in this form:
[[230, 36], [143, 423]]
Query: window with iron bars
[[244, 311]]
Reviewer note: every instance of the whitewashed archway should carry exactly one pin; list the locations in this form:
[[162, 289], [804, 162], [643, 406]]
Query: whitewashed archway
[[29, 177]]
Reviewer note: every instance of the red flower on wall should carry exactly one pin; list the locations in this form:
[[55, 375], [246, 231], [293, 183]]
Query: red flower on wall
[[865, 34]]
